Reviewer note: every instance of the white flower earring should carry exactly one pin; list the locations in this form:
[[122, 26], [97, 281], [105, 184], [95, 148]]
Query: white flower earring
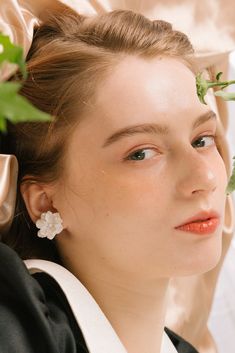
[[49, 224]]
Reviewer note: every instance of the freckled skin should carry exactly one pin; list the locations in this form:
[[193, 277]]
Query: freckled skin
[[120, 215]]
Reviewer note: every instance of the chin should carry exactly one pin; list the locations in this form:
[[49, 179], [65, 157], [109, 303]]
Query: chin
[[204, 257]]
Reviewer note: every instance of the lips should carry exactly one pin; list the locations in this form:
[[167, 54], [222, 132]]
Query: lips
[[201, 223]]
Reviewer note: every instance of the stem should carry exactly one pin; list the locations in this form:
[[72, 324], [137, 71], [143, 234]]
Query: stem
[[225, 83]]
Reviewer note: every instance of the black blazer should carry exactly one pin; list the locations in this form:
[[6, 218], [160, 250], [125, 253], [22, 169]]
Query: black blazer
[[35, 316]]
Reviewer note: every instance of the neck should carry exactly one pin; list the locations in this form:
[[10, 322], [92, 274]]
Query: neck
[[134, 307], [136, 311]]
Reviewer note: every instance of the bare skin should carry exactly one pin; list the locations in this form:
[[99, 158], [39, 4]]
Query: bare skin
[[120, 207]]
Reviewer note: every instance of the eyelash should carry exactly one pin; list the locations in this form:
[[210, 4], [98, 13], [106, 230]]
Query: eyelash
[[128, 158]]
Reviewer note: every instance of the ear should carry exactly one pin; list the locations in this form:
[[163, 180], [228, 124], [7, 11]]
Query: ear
[[37, 199]]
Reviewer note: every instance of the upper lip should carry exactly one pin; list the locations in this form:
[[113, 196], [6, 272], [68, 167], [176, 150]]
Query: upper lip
[[201, 216]]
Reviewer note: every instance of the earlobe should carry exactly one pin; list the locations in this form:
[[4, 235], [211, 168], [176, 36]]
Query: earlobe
[[36, 199]]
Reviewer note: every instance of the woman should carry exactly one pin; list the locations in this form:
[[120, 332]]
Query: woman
[[127, 180]]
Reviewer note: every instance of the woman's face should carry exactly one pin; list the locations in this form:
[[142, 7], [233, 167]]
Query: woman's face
[[141, 163]]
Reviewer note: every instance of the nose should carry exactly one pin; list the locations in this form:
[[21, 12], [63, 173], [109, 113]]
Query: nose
[[195, 174]]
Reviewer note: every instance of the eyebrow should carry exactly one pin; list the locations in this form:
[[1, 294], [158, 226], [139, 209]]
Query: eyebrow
[[154, 128]]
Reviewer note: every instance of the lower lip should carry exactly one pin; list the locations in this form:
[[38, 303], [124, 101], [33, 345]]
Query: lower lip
[[208, 226]]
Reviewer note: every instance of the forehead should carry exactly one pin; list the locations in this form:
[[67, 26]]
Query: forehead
[[138, 88]]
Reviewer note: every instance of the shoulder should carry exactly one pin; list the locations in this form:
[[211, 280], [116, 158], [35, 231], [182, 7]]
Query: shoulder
[[34, 314], [180, 344]]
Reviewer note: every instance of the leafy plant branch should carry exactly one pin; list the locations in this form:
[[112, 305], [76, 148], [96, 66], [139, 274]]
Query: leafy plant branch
[[13, 106]]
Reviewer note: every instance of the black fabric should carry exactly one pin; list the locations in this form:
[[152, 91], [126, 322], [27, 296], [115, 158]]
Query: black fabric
[[30, 322], [57, 302], [180, 344], [35, 316]]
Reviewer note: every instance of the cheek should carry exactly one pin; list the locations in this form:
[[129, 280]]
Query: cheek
[[124, 200], [134, 192]]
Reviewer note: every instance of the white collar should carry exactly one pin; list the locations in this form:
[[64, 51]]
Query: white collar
[[90, 318]]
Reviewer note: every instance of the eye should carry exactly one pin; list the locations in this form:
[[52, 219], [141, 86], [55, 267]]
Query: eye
[[140, 155], [204, 141]]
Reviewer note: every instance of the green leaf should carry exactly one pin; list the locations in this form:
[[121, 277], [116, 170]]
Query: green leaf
[[227, 96], [231, 183], [218, 75], [12, 53], [7, 89], [16, 108], [202, 87]]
